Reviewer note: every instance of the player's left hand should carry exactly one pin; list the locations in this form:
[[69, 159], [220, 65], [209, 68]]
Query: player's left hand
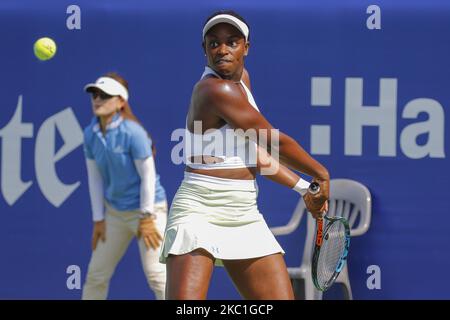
[[317, 204]]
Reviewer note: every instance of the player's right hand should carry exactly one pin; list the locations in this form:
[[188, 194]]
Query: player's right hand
[[99, 233]]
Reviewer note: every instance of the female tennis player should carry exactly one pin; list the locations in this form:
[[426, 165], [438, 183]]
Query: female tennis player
[[214, 218]]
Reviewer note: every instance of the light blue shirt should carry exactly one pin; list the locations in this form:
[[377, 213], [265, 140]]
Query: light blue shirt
[[114, 153]]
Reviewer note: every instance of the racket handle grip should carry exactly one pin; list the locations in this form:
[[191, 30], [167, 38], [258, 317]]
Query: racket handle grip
[[314, 188]]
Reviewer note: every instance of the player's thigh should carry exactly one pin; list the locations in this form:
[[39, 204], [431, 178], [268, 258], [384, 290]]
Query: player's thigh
[[188, 275], [264, 278]]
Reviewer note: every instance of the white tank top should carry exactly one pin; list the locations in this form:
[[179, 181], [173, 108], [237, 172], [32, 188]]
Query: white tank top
[[232, 147]]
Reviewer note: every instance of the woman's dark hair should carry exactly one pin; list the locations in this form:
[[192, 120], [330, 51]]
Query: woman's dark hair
[[126, 111], [231, 13]]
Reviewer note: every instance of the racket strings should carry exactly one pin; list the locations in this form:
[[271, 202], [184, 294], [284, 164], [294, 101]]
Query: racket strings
[[330, 253]]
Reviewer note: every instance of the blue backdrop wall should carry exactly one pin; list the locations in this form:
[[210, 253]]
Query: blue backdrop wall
[[382, 94]]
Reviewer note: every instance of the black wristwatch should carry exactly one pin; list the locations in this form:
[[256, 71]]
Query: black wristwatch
[[147, 214]]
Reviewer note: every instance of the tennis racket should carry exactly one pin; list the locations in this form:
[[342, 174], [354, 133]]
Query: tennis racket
[[330, 247]]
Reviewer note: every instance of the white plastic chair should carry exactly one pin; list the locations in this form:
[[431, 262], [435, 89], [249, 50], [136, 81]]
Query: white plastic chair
[[349, 199]]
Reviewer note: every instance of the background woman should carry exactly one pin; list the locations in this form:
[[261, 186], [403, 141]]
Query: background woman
[[127, 198]]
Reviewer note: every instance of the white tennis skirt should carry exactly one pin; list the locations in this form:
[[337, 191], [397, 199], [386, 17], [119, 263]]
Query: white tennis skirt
[[220, 216]]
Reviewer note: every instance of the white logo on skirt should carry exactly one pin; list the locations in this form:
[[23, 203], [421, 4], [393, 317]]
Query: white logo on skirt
[[215, 249]]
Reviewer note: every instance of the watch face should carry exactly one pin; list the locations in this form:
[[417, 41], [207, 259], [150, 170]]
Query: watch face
[[147, 215]]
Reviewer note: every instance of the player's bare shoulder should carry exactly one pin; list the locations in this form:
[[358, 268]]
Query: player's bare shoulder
[[215, 92]]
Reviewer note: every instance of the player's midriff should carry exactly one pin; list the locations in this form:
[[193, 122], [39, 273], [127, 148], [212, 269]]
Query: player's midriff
[[248, 173]]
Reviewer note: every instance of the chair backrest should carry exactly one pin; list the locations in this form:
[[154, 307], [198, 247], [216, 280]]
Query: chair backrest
[[349, 199]]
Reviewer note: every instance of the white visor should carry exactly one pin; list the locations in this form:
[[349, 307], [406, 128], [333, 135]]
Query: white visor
[[110, 86], [226, 18]]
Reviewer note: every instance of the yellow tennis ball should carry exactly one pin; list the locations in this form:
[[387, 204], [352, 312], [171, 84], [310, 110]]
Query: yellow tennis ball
[[44, 48]]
